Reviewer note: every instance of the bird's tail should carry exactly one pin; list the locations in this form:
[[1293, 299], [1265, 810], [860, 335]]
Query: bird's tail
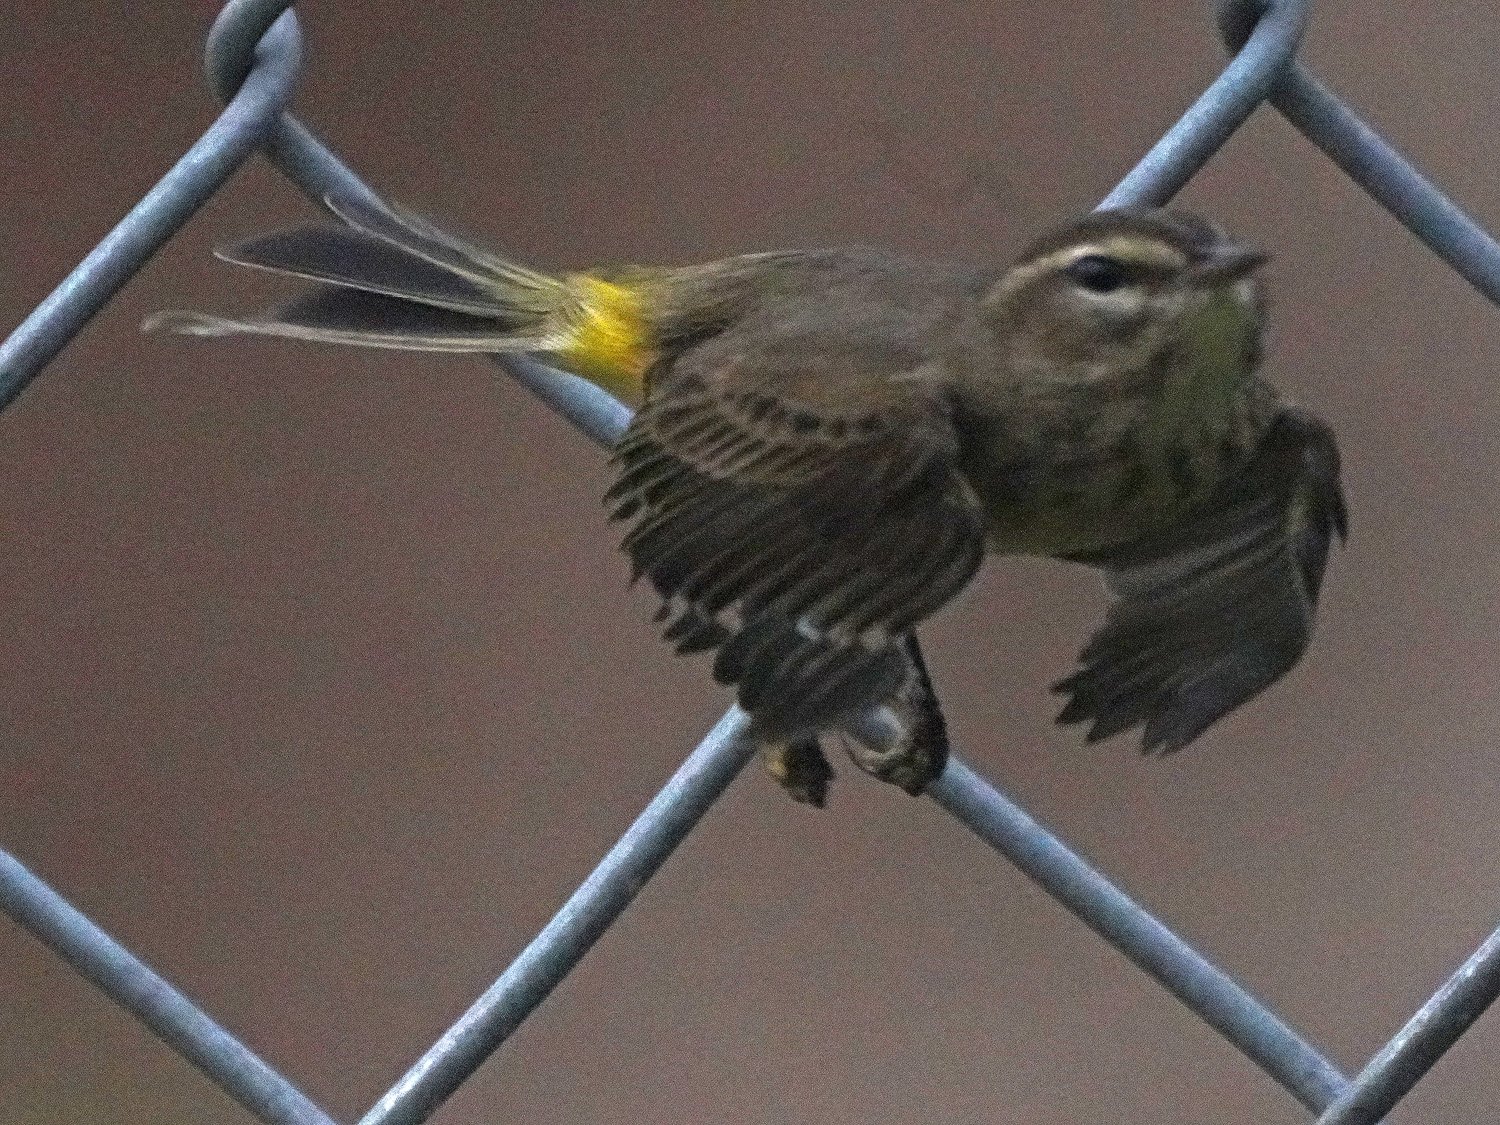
[[390, 279]]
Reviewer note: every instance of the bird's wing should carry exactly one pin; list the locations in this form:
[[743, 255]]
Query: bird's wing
[[799, 515], [1218, 607]]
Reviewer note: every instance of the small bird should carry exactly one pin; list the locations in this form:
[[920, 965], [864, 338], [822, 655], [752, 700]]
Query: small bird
[[828, 442]]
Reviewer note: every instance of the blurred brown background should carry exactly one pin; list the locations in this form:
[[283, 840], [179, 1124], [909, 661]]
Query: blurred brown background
[[323, 688]]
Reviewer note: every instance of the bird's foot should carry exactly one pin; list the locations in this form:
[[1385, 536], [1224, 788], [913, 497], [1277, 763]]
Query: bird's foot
[[800, 768], [919, 750], [908, 764]]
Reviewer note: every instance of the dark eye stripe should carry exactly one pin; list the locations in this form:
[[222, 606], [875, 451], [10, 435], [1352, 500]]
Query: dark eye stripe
[[1099, 273]]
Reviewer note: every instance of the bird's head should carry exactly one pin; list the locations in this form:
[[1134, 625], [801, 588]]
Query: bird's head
[[1104, 296]]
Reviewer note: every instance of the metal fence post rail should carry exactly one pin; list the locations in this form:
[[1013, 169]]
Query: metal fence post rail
[[252, 57]]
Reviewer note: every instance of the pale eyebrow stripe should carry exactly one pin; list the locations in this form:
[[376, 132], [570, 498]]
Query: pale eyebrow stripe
[[1128, 248]]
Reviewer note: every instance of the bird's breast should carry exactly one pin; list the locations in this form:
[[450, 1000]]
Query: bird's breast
[[1073, 480]]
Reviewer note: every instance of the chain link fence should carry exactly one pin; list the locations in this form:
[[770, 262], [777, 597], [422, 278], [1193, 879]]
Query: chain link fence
[[253, 57]]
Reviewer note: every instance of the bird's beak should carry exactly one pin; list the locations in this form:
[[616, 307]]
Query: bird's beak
[[1229, 262]]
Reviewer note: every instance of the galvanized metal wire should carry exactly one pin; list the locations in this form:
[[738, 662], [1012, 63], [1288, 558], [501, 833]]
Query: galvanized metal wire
[[133, 985], [253, 55], [276, 55], [1402, 1062]]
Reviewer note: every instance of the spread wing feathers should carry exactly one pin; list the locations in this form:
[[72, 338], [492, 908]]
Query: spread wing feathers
[[1217, 608], [389, 279], [800, 543]]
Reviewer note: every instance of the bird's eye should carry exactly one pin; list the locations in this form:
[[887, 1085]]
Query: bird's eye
[[1097, 273]]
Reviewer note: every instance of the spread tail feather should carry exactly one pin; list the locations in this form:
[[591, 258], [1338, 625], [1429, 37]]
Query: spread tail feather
[[389, 279]]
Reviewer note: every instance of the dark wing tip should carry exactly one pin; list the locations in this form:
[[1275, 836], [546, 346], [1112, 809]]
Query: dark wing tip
[[1340, 513], [1076, 710], [1167, 732], [1159, 747], [1169, 718]]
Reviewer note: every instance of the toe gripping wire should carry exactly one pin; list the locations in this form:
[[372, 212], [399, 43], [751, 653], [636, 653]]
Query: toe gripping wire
[[253, 55]]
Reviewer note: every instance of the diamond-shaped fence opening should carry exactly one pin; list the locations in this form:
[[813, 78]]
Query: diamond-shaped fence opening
[[253, 57]]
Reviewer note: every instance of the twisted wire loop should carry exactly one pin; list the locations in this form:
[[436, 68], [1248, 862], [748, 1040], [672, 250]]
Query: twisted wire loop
[[1272, 32], [252, 59], [230, 57], [1367, 159], [237, 131]]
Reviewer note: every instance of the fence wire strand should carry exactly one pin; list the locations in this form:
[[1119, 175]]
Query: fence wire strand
[[591, 910], [276, 55], [252, 57], [1150, 945], [132, 984]]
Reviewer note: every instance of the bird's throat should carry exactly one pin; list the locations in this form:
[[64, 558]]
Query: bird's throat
[[1085, 468]]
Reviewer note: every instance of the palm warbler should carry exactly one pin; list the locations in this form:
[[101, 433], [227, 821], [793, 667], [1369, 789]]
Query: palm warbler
[[827, 443]]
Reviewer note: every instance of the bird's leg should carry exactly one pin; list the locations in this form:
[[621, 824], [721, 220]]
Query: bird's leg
[[800, 768], [915, 748]]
